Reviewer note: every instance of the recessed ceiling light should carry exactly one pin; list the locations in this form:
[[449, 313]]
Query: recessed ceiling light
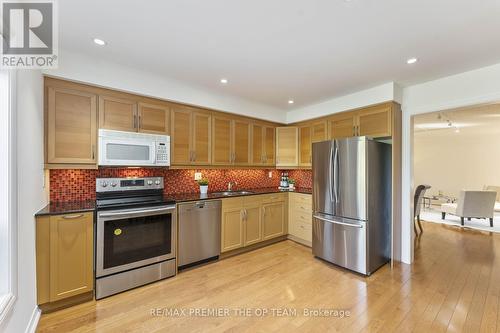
[[223, 81], [411, 61], [290, 101], [99, 42]]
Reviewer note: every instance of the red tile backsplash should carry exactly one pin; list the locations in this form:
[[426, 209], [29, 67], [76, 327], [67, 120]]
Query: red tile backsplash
[[76, 184]]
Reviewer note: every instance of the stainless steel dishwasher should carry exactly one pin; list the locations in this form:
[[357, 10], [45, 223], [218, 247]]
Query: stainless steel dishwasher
[[199, 232]]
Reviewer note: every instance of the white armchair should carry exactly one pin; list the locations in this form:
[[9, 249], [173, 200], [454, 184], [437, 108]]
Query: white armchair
[[496, 189], [472, 204]]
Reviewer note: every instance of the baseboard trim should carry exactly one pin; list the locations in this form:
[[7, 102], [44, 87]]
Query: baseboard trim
[[33, 323], [299, 240]]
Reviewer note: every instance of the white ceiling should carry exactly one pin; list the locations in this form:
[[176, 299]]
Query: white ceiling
[[274, 50]]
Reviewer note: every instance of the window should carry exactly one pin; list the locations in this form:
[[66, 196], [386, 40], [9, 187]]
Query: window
[[8, 193]]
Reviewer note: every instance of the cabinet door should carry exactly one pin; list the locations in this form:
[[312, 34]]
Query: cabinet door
[[273, 220], [252, 224], [305, 150], [71, 126], [71, 255], [117, 114], [269, 145], [241, 139], [258, 156], [287, 146], [341, 126], [221, 143], [375, 121], [232, 229], [319, 131], [202, 138], [154, 119], [180, 137]]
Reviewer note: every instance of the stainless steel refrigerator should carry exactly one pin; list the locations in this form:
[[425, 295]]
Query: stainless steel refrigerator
[[352, 203]]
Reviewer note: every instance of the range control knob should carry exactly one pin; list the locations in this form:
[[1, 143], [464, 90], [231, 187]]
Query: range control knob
[[104, 183], [150, 182], [157, 182], [113, 184]]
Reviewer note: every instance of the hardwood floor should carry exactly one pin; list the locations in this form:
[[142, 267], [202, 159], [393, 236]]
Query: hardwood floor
[[454, 285]]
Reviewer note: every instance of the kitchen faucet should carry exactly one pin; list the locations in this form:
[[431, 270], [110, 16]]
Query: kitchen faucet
[[230, 185]]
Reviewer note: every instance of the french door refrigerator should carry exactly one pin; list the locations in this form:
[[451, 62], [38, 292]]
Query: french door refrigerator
[[352, 203]]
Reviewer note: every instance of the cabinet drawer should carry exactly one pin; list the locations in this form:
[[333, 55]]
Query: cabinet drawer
[[302, 231], [301, 199], [232, 202], [276, 197], [299, 216]]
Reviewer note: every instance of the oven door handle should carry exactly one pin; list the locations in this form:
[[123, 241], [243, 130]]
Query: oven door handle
[[137, 212]]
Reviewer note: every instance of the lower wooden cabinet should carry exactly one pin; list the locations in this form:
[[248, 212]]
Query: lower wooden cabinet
[[65, 254], [251, 220], [300, 218]]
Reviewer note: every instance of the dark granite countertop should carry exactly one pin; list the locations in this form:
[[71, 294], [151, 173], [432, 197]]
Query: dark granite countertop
[[58, 208], [184, 197]]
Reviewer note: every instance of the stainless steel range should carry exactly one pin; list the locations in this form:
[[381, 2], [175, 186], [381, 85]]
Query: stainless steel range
[[135, 234]]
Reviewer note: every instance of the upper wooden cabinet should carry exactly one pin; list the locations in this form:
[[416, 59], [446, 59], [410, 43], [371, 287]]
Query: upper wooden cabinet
[[262, 145], [308, 134], [287, 146], [154, 119], [127, 115], [71, 126], [191, 136], [375, 121], [222, 146], [231, 140], [241, 141], [342, 125], [117, 114]]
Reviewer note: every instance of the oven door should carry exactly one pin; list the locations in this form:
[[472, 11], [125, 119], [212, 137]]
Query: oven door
[[126, 151], [132, 238]]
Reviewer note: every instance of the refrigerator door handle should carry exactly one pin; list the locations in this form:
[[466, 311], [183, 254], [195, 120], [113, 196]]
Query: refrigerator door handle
[[359, 226], [335, 170], [330, 160]]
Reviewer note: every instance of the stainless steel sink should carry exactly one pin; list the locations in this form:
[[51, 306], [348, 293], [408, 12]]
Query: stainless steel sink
[[230, 193]]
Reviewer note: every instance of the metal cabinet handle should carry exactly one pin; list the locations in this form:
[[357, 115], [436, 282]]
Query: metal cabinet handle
[[194, 156], [135, 121], [72, 217], [93, 152]]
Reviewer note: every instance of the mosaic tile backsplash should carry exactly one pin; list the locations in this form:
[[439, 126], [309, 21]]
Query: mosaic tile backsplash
[[77, 185]]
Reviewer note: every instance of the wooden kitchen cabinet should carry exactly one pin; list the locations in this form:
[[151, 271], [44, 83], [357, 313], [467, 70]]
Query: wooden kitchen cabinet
[[308, 134], [231, 143], [273, 216], [252, 223], [375, 121], [287, 147], [231, 228], [342, 125], [241, 142], [65, 254], [71, 127], [300, 218], [269, 145], [191, 135], [154, 119], [222, 150], [118, 114], [262, 145]]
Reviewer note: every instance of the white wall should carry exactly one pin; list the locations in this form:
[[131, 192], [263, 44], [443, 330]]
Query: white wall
[[451, 162], [382, 93], [102, 73], [465, 89], [32, 196]]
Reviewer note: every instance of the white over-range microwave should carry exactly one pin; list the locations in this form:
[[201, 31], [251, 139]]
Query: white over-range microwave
[[118, 148]]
